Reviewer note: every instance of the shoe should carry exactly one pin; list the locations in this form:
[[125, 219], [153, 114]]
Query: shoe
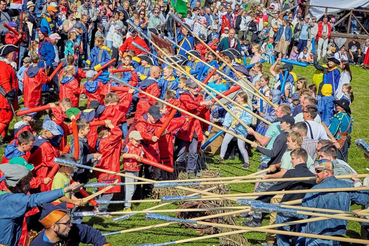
[[252, 223], [127, 210], [221, 159], [246, 165], [198, 174]]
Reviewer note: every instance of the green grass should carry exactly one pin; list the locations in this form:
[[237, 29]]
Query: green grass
[[233, 168]]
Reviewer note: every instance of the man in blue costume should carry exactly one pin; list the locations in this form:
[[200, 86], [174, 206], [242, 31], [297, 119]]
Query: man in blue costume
[[185, 40], [331, 73], [59, 229]]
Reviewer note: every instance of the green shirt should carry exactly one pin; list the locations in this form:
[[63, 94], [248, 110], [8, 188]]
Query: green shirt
[[273, 131], [286, 161], [60, 181]]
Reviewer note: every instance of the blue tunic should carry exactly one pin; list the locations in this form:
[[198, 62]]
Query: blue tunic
[[94, 56], [186, 43]]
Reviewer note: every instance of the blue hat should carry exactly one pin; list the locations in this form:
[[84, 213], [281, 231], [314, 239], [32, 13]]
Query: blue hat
[[51, 126], [51, 213], [29, 114], [44, 30], [295, 96]]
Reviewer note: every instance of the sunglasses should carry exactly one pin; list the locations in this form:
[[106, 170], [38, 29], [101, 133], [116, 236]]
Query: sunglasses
[[319, 170], [156, 12]]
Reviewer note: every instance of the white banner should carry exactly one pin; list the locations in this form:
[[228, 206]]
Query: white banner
[[351, 4]]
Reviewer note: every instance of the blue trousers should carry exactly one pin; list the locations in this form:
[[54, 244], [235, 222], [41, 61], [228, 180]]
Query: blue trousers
[[192, 153]]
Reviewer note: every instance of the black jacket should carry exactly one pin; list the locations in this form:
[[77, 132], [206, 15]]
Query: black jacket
[[300, 170]]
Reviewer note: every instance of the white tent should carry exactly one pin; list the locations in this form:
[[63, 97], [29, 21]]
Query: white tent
[[345, 4]]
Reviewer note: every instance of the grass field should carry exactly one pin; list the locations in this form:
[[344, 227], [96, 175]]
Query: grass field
[[360, 84]]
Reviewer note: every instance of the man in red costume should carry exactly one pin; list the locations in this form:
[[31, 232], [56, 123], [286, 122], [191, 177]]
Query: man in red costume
[[191, 133], [127, 45], [8, 87]]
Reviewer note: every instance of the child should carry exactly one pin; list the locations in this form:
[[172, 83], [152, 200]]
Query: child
[[99, 56], [135, 63], [167, 82], [43, 154], [129, 75], [33, 48], [132, 154], [211, 60], [69, 44], [143, 71], [348, 93], [217, 84], [93, 89], [62, 179], [84, 157], [295, 101], [265, 90], [113, 111], [194, 63], [34, 78], [256, 71], [233, 125], [24, 124], [256, 50], [304, 55], [294, 54], [100, 31], [301, 84], [109, 145], [20, 73], [181, 86], [230, 58], [69, 86], [10, 37], [294, 141], [21, 148], [326, 105], [268, 51]]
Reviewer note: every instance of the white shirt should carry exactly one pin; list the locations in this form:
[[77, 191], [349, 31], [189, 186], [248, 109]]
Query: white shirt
[[344, 79], [299, 118], [318, 131]]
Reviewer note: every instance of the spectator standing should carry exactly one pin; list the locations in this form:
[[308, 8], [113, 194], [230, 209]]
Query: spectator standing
[[323, 36], [283, 39]]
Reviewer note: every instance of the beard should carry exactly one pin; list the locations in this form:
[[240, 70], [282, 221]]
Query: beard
[[318, 180], [62, 236]]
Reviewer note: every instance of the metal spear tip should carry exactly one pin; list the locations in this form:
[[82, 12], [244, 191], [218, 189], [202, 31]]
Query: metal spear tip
[[124, 217]]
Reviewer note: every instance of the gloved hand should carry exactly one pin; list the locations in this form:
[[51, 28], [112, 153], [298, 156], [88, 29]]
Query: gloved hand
[[11, 96]]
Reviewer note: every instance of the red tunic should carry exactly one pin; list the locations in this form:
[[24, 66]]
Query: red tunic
[[32, 88], [8, 81], [127, 45], [115, 113], [131, 164], [110, 148], [192, 105], [70, 90], [42, 156], [146, 101], [98, 94], [147, 131]]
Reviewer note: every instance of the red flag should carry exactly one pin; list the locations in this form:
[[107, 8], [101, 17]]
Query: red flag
[[163, 44]]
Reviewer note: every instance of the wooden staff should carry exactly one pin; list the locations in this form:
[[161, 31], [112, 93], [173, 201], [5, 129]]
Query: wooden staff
[[86, 199], [181, 110], [212, 67], [203, 87], [222, 59]]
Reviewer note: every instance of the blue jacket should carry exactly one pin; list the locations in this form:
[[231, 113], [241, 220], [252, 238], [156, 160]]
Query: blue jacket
[[46, 53], [333, 78], [245, 117], [94, 56], [186, 43], [78, 234], [287, 35], [326, 109], [331, 200], [16, 205], [11, 151], [164, 85], [339, 124]]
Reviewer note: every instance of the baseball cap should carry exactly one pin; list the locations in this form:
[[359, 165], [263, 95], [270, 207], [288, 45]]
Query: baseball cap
[[155, 112], [52, 127], [135, 135], [21, 161], [295, 96], [191, 84], [287, 118], [13, 173], [51, 8], [324, 164], [54, 36]]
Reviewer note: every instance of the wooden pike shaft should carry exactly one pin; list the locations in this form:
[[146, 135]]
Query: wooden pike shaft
[[232, 68], [180, 210], [194, 116], [201, 85], [243, 229], [213, 181], [86, 199]]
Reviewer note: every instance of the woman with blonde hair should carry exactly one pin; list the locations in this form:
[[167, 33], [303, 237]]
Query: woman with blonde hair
[[69, 86]]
